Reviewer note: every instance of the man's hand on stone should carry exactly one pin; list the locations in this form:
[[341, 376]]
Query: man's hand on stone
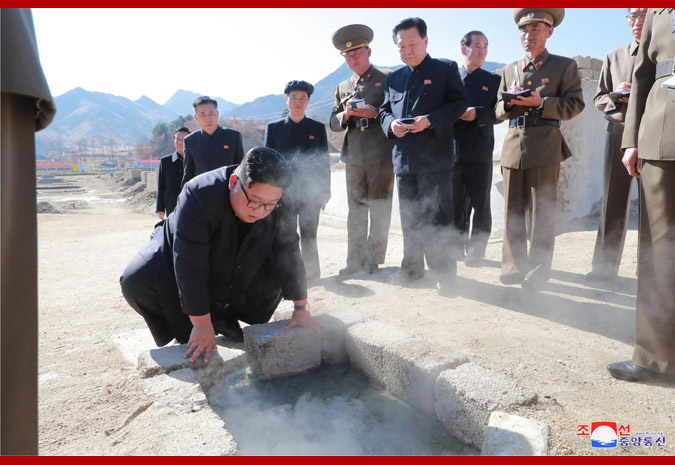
[[202, 338], [304, 319]]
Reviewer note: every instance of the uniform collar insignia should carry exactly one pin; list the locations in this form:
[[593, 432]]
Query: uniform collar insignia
[[538, 62]]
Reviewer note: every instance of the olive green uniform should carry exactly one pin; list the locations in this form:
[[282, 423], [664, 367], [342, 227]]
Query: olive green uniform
[[650, 126], [369, 170], [531, 157]]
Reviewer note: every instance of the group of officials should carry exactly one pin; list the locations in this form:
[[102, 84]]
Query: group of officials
[[228, 250]]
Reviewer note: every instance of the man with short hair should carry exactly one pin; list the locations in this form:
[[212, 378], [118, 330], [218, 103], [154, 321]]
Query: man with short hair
[[616, 76], [211, 147], [422, 101], [303, 142], [366, 152], [474, 143], [534, 146], [170, 175], [228, 252]]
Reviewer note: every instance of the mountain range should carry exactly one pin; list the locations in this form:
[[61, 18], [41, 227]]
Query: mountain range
[[99, 119]]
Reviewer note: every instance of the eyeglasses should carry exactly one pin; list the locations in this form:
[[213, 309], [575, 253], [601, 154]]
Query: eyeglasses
[[254, 204], [634, 18]]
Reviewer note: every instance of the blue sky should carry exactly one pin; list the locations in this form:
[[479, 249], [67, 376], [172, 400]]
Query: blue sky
[[241, 54]]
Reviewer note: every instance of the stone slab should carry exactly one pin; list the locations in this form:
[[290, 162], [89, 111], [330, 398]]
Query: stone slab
[[467, 395], [180, 419], [513, 435], [170, 358], [366, 343], [412, 367], [275, 352], [333, 350]]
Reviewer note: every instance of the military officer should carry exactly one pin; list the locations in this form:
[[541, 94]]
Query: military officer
[[366, 152], [211, 147], [422, 101], [616, 75], [534, 146], [474, 143], [649, 143], [303, 142], [228, 252], [170, 175]]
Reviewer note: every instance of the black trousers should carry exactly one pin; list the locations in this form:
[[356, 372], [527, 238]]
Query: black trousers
[[615, 213], [425, 202], [308, 212], [149, 286], [471, 185]]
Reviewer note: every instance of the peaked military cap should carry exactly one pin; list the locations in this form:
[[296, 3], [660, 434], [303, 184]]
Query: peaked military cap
[[303, 86], [551, 16], [351, 37]]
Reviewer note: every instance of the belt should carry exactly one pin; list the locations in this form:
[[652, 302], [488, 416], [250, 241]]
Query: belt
[[361, 123], [525, 121], [665, 68]]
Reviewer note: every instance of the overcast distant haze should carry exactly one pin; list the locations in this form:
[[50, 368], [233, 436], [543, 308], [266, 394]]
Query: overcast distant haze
[[242, 54]]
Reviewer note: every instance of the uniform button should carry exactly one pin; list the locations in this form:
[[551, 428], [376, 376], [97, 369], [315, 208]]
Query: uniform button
[[239, 266], [531, 67], [526, 113], [529, 83]]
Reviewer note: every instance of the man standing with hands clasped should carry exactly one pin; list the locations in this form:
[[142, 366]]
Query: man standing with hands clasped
[[534, 146], [366, 152], [422, 101]]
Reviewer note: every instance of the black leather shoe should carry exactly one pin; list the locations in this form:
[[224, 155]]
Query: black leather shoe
[[230, 329], [508, 279], [628, 372], [350, 269]]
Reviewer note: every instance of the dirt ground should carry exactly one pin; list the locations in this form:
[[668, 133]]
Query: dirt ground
[[555, 343]]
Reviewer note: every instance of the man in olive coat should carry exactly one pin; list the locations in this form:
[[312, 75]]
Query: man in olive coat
[[534, 146], [649, 143], [366, 151], [616, 76]]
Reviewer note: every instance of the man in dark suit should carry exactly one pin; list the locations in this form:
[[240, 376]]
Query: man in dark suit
[[422, 102], [474, 142], [170, 175], [229, 252], [303, 142], [211, 147]]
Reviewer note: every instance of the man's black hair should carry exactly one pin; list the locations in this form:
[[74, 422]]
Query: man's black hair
[[202, 100], [410, 23], [468, 37], [182, 129], [264, 165]]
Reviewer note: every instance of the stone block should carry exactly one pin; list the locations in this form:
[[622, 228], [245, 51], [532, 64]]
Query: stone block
[[584, 62], [467, 395], [348, 316], [151, 180], [366, 343], [275, 352], [589, 74], [170, 358], [135, 174], [513, 435], [333, 350], [596, 65], [412, 367]]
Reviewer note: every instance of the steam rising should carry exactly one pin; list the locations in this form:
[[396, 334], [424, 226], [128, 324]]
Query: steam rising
[[330, 411]]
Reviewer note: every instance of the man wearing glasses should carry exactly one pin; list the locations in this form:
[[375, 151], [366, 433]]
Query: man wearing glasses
[[303, 142], [228, 253], [615, 81]]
